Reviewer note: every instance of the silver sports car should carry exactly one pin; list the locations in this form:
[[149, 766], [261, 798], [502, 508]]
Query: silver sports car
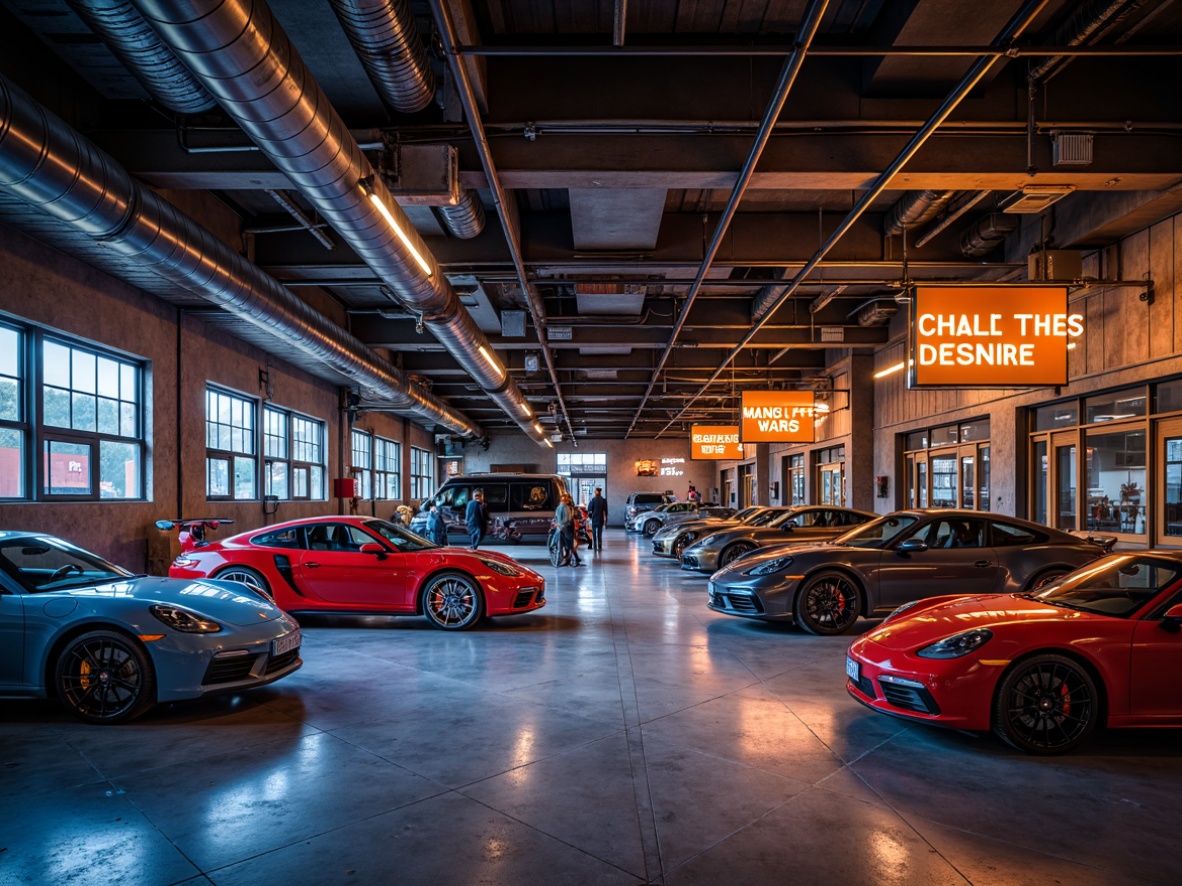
[[671, 541], [794, 525], [110, 644], [649, 522], [897, 558]]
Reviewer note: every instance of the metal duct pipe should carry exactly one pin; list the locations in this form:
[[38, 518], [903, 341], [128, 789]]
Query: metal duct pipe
[[53, 167], [1083, 22], [913, 208], [466, 219], [241, 54], [765, 298], [987, 233], [386, 39], [132, 40]]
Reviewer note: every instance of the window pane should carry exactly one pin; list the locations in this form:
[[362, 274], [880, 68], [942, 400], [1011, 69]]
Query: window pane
[[299, 482], [1116, 405], [217, 474], [67, 468], [119, 471], [128, 388], [973, 431], [108, 378], [9, 345], [316, 483], [83, 412], [244, 478], [12, 452], [84, 371], [1064, 415], [108, 416], [128, 424], [944, 436], [10, 405], [1116, 481], [55, 365], [56, 407], [277, 479]]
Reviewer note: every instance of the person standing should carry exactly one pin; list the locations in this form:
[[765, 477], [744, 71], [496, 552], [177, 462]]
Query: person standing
[[436, 526], [597, 513], [476, 519], [564, 520], [694, 497]]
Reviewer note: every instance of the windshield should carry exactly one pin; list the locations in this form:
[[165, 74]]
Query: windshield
[[877, 533], [50, 564], [782, 518], [1118, 585], [400, 537], [765, 518]]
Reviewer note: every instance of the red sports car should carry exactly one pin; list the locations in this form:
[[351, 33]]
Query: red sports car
[[364, 565], [1101, 646]]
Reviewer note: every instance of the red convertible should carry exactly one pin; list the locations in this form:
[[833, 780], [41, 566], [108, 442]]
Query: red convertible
[[365, 566], [1101, 646]]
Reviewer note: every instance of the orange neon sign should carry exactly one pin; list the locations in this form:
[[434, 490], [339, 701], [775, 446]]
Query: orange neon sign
[[715, 442], [777, 417]]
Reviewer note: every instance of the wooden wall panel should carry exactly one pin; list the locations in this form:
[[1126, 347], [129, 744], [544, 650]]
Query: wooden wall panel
[[1161, 270]]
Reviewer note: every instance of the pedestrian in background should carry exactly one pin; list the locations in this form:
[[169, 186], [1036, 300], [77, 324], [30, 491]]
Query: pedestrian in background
[[436, 526], [564, 519], [597, 513], [476, 519]]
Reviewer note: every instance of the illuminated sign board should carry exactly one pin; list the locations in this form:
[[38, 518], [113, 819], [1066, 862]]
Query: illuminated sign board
[[777, 417], [990, 336], [715, 442]]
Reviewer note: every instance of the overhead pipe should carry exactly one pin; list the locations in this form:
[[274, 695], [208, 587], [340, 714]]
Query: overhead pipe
[[466, 218], [1083, 23], [241, 54], [46, 163], [386, 39], [967, 202], [976, 72], [123, 30], [788, 73], [509, 221], [914, 208]]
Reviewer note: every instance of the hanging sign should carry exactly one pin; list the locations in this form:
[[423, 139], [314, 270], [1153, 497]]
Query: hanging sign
[[777, 417], [990, 336], [715, 442]]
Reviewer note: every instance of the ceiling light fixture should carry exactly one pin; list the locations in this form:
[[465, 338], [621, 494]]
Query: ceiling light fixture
[[890, 370], [491, 362], [367, 188]]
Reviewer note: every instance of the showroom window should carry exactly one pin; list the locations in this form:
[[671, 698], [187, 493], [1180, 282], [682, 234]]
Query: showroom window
[[422, 473], [14, 430], [362, 464], [387, 468], [795, 480], [293, 447], [948, 466], [231, 447], [830, 475]]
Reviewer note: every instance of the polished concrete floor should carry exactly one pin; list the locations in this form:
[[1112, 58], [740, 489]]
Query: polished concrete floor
[[623, 734]]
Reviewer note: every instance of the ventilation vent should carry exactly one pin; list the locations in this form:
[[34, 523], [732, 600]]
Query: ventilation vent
[[1034, 198], [513, 324], [1071, 148], [832, 334]]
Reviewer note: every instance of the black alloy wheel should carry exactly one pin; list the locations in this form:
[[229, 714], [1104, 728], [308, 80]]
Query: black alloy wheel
[[451, 601], [732, 553], [245, 575], [828, 604], [105, 677], [1047, 704], [679, 545], [651, 527]]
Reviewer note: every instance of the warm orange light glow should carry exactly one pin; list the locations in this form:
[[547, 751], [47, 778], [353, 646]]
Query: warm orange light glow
[[384, 210], [777, 417], [715, 442]]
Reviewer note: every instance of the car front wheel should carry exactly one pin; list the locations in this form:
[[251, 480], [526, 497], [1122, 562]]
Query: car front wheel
[[651, 527], [105, 677], [733, 553], [679, 545], [452, 602], [828, 604], [1047, 704]]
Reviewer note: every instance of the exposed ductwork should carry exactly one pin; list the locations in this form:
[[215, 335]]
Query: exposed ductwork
[[466, 218], [914, 208], [131, 40], [987, 233], [1085, 23], [386, 39], [240, 53], [54, 168], [764, 299]]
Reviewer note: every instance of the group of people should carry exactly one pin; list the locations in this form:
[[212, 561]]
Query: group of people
[[567, 520]]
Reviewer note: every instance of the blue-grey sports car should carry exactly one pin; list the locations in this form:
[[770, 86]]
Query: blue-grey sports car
[[111, 645]]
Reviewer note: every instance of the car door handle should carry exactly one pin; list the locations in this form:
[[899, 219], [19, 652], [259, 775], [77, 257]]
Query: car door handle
[[982, 564], [312, 565]]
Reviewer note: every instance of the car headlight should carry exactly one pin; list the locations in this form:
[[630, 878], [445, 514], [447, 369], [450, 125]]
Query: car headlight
[[899, 611], [183, 620], [502, 568], [770, 567], [957, 645], [708, 539]]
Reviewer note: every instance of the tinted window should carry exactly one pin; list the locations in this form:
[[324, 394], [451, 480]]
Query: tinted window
[[1008, 535], [279, 538], [496, 497], [454, 496], [399, 537], [1118, 586], [954, 532], [877, 533], [532, 495], [48, 564]]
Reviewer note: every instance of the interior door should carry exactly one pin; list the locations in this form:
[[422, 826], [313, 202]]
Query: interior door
[[958, 557], [334, 569], [1168, 449]]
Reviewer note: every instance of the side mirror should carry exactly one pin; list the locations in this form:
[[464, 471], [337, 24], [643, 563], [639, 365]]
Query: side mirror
[[1172, 620], [911, 546], [372, 547], [789, 526]]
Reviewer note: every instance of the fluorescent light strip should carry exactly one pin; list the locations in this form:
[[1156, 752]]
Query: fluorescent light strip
[[548, 443], [385, 211], [890, 370], [490, 361]]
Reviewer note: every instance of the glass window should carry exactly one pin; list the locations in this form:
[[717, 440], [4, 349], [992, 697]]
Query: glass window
[[293, 447], [1116, 405], [983, 499], [230, 446], [496, 496], [1061, 415], [531, 495], [288, 537], [362, 463], [954, 533], [944, 478], [1169, 396], [1116, 480], [1009, 535], [973, 431], [422, 474], [274, 433], [944, 436], [387, 469], [67, 468], [916, 441]]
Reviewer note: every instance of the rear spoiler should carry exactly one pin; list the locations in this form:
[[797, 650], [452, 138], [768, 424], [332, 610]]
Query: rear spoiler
[[1107, 542]]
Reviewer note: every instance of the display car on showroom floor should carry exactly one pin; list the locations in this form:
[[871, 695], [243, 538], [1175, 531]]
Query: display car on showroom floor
[[111, 644], [651, 520], [672, 540], [369, 566], [1101, 646], [900, 557], [791, 526], [654, 521]]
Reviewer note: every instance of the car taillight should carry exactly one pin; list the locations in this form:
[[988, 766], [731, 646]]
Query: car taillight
[[185, 562]]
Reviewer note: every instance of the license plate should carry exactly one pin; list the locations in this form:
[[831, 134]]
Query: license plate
[[853, 670], [286, 643]]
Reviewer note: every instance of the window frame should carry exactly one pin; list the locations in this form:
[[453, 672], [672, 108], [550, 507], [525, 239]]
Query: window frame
[[385, 477], [293, 448], [422, 473], [231, 456]]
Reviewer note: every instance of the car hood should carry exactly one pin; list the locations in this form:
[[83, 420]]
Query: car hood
[[709, 523], [225, 601], [458, 556], [991, 611], [806, 554]]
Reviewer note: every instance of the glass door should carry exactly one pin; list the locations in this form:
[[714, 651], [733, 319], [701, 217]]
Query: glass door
[[1168, 441], [832, 479], [1065, 483], [1054, 470]]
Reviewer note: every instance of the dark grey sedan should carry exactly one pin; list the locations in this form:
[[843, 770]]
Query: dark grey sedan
[[903, 556]]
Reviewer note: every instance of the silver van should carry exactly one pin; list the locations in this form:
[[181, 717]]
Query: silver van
[[519, 505]]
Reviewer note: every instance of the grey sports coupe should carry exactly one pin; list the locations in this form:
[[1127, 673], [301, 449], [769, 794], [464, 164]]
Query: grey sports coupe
[[672, 540], [904, 556], [803, 524]]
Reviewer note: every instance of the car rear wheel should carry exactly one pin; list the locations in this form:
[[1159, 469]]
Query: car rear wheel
[[828, 604], [105, 677], [245, 575], [1044, 578], [1047, 704], [733, 553], [651, 527], [452, 602]]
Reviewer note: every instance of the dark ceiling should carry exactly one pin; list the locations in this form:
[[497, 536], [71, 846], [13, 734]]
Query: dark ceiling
[[678, 251]]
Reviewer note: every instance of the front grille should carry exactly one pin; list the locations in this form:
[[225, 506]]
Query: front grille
[[229, 670], [689, 561], [865, 686], [524, 598], [279, 662], [742, 603], [907, 696], [658, 547]]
